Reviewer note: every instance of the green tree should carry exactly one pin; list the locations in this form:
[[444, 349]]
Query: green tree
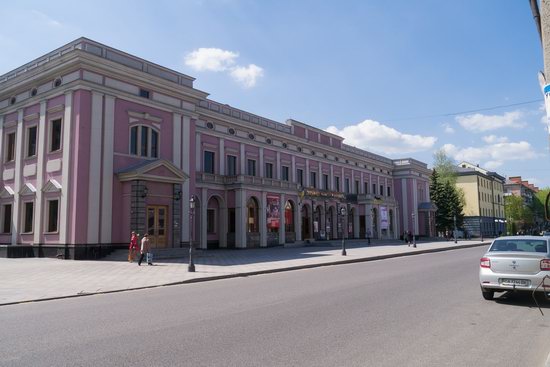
[[445, 166]]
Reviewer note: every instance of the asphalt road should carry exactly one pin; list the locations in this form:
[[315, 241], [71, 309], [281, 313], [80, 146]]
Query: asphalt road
[[423, 310]]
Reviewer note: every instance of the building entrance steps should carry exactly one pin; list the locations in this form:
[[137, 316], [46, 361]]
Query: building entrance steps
[[40, 279]]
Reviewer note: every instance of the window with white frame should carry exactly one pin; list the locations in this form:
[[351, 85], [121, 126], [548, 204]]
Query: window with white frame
[[6, 218], [144, 141], [53, 215], [9, 154], [55, 135], [31, 141], [251, 167], [28, 215], [231, 165], [209, 159]]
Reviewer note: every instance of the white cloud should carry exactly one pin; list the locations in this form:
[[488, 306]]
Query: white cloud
[[46, 19], [374, 136], [479, 123], [216, 60], [248, 75], [493, 155], [210, 59], [492, 139], [448, 128]]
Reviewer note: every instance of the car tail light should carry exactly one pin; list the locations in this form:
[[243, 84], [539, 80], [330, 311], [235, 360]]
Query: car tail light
[[545, 264], [486, 263]]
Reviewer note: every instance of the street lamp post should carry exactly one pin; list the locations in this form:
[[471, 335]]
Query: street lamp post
[[191, 266], [454, 218], [414, 229], [343, 213]]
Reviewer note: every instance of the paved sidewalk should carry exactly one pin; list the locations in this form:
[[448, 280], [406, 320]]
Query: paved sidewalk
[[38, 279]]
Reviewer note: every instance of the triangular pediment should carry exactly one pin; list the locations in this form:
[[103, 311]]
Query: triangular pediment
[[27, 189], [52, 186], [6, 192], [157, 171]]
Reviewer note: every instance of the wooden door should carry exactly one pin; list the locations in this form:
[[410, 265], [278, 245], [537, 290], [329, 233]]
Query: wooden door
[[157, 222]]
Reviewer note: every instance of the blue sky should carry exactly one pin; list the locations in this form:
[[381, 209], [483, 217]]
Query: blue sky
[[393, 77]]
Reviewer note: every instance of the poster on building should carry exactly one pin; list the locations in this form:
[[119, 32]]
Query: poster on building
[[273, 207], [383, 217]]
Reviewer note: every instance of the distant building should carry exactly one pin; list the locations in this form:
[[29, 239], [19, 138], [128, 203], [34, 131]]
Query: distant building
[[484, 195], [518, 187]]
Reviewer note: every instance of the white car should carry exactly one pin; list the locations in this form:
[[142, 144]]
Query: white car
[[515, 263]]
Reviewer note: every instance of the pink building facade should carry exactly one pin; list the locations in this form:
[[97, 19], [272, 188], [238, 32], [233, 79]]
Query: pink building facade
[[96, 143]]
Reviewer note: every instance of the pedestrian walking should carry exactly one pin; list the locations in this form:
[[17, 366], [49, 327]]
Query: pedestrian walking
[[144, 250], [410, 237], [132, 250]]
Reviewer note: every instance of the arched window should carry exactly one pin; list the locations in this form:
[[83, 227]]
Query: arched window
[[289, 217], [144, 141], [252, 215]]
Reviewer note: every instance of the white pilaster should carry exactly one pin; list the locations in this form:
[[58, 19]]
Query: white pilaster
[[362, 184], [331, 178], [352, 183], [17, 184], [308, 184], [320, 176], [415, 205], [108, 151], [406, 213], [262, 165], [95, 168], [176, 140], [198, 152], [222, 157], [282, 229], [298, 222], [204, 208], [278, 175], [293, 173], [241, 218], [243, 160], [41, 150], [64, 231]]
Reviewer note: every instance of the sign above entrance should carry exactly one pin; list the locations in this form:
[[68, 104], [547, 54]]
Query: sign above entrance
[[324, 194]]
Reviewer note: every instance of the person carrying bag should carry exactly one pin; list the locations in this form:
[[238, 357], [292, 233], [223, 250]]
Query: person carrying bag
[[145, 250]]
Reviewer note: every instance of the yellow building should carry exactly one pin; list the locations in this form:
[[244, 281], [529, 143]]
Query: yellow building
[[484, 199]]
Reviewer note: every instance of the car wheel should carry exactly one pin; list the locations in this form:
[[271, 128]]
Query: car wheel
[[488, 295]]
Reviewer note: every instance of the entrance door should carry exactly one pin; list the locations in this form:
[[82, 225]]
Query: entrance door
[[157, 218]]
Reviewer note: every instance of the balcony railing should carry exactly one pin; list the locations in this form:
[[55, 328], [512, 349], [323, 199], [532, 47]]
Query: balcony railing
[[246, 180]]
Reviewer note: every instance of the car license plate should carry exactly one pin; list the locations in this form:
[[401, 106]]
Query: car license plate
[[520, 282]]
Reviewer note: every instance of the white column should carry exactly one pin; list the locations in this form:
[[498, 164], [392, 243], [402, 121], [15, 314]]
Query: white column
[[282, 229], [263, 220], [362, 184], [293, 173], [17, 184], [176, 140], [352, 183], [198, 152], [278, 174], [405, 203], [243, 160], [241, 218], [298, 222], [64, 231], [41, 149], [108, 151], [186, 166], [204, 208], [94, 190], [262, 165], [320, 176], [222, 157]]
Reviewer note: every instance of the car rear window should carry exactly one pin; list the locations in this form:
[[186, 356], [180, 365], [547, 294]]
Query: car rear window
[[519, 245]]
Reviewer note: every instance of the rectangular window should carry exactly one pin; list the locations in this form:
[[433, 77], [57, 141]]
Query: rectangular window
[[10, 147], [55, 141], [211, 221], [6, 220], [300, 176], [347, 186], [366, 187], [53, 210], [208, 162], [374, 189], [356, 187], [231, 225], [28, 216], [134, 140], [251, 167], [154, 144], [325, 182], [389, 191], [144, 141], [285, 173], [381, 190], [269, 170], [313, 179], [231, 165], [31, 141], [337, 183], [144, 93]]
